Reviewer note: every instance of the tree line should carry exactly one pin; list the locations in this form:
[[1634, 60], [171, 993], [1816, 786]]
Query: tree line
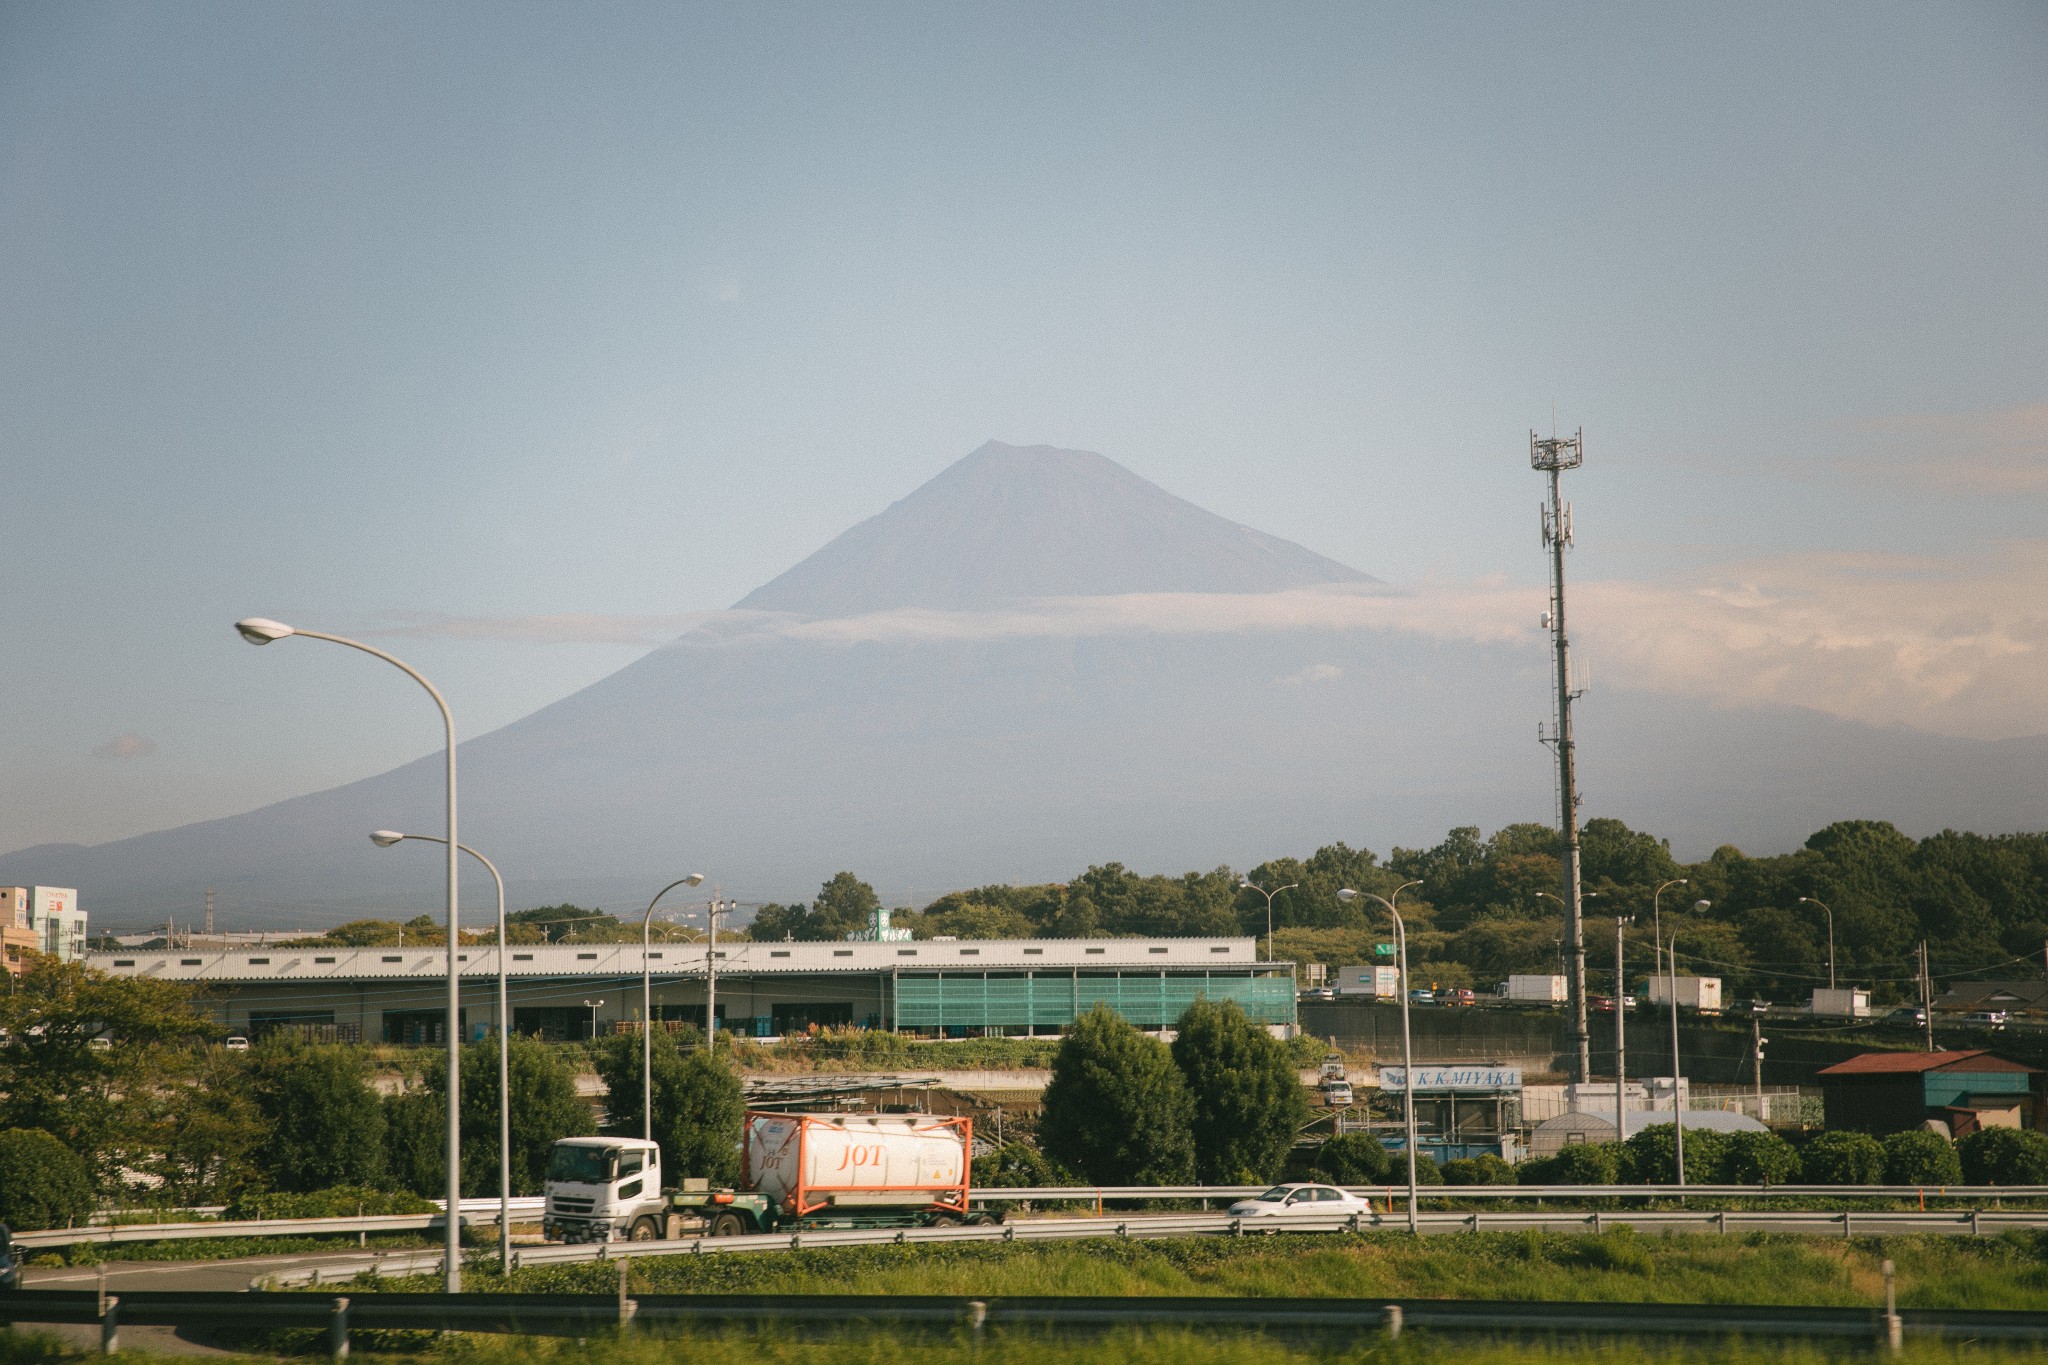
[[167, 1116]]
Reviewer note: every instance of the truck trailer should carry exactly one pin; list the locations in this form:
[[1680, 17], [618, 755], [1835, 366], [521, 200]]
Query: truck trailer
[[1533, 990], [797, 1171]]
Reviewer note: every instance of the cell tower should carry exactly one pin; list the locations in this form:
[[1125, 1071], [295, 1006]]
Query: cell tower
[[1553, 456]]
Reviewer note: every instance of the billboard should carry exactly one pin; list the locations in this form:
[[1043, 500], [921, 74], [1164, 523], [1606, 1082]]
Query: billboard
[[58, 923], [1454, 1078]]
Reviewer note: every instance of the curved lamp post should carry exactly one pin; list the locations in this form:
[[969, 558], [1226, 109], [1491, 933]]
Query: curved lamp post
[[385, 838], [1407, 1050], [647, 1006], [259, 631], [1809, 900], [1678, 1110], [1246, 883]]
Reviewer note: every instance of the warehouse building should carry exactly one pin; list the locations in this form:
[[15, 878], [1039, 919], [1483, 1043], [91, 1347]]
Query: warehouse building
[[934, 988], [1884, 1092]]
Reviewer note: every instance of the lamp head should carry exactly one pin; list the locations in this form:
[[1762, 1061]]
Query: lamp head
[[1702, 905], [1347, 894], [385, 838], [258, 630], [694, 879]]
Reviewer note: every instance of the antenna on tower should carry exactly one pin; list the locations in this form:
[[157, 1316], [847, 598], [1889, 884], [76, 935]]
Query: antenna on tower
[[1554, 455]]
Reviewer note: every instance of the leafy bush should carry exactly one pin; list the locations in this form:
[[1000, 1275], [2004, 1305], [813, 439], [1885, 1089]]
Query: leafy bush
[[1843, 1158], [1582, 1163], [1485, 1169], [43, 1184], [2004, 1156], [340, 1201], [1649, 1158], [1756, 1159], [1019, 1165], [1354, 1159], [869, 1047], [1918, 1157], [1427, 1172]]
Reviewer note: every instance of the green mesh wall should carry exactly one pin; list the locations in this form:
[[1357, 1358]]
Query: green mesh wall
[[1049, 1000]]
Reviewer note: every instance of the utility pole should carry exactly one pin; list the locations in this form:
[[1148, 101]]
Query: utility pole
[[711, 977], [1926, 996], [1553, 457], [209, 912], [1620, 1036], [1757, 1041]]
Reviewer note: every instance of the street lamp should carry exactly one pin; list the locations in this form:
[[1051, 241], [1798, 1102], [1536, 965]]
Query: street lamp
[[259, 631], [647, 1007], [1407, 1047], [385, 838], [592, 1005], [1678, 1110], [1620, 1031], [1809, 900], [1249, 885]]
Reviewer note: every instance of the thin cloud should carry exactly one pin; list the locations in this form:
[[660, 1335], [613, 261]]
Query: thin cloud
[[1995, 451], [125, 746], [1314, 673], [584, 628]]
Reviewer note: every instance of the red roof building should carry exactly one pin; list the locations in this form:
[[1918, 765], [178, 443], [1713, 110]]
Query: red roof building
[[1884, 1092]]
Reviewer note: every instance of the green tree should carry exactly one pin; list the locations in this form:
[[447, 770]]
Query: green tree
[[1017, 1165], [2004, 1156], [1756, 1159], [699, 1104], [416, 1139], [108, 1104], [1650, 1156], [1248, 1099], [1484, 1169], [1842, 1157], [545, 1107], [208, 1151], [324, 1121], [1918, 1157], [1582, 1163], [1116, 1108], [1354, 1159], [43, 1184]]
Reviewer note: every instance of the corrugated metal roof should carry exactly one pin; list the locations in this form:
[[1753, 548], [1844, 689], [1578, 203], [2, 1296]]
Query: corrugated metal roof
[[1912, 1063]]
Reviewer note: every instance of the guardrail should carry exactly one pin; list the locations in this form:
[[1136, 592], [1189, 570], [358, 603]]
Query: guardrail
[[478, 1210], [580, 1314], [1966, 1223], [485, 1210]]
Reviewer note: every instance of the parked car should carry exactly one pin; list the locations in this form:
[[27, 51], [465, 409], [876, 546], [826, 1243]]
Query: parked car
[[1985, 1019], [1337, 1094], [1421, 997], [1301, 1201], [10, 1265], [237, 1043], [1910, 1016]]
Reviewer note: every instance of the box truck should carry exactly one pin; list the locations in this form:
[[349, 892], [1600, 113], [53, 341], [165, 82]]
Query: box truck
[[1701, 993], [798, 1170], [1533, 990]]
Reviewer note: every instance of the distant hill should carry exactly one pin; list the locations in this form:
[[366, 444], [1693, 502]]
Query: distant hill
[[769, 754]]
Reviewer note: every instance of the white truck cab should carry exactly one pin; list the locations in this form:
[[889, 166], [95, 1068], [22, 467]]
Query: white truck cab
[[604, 1188]]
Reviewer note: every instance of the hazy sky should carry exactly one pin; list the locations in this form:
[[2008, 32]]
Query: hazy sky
[[527, 331]]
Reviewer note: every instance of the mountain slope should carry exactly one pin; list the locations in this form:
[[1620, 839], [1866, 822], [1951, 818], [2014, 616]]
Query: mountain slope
[[770, 755], [1011, 522]]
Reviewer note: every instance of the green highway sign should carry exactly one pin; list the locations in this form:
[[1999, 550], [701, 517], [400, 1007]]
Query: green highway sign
[[1383, 949]]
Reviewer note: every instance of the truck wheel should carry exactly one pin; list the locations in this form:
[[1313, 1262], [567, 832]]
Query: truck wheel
[[727, 1225], [945, 1220], [645, 1230], [982, 1220]]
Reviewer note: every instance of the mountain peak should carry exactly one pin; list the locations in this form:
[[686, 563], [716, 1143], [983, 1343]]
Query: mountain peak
[[1010, 522]]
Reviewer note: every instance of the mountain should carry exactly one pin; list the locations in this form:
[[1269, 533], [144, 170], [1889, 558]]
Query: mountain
[[822, 726], [1016, 522]]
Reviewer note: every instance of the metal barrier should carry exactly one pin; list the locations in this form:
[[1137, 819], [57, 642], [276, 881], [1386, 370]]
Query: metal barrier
[[580, 1314], [473, 1210], [1962, 1223]]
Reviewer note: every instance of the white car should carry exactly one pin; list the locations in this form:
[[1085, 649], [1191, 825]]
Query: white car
[[1302, 1201]]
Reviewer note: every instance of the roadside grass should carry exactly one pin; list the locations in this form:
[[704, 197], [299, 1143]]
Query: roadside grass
[[1137, 1346], [2009, 1272]]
